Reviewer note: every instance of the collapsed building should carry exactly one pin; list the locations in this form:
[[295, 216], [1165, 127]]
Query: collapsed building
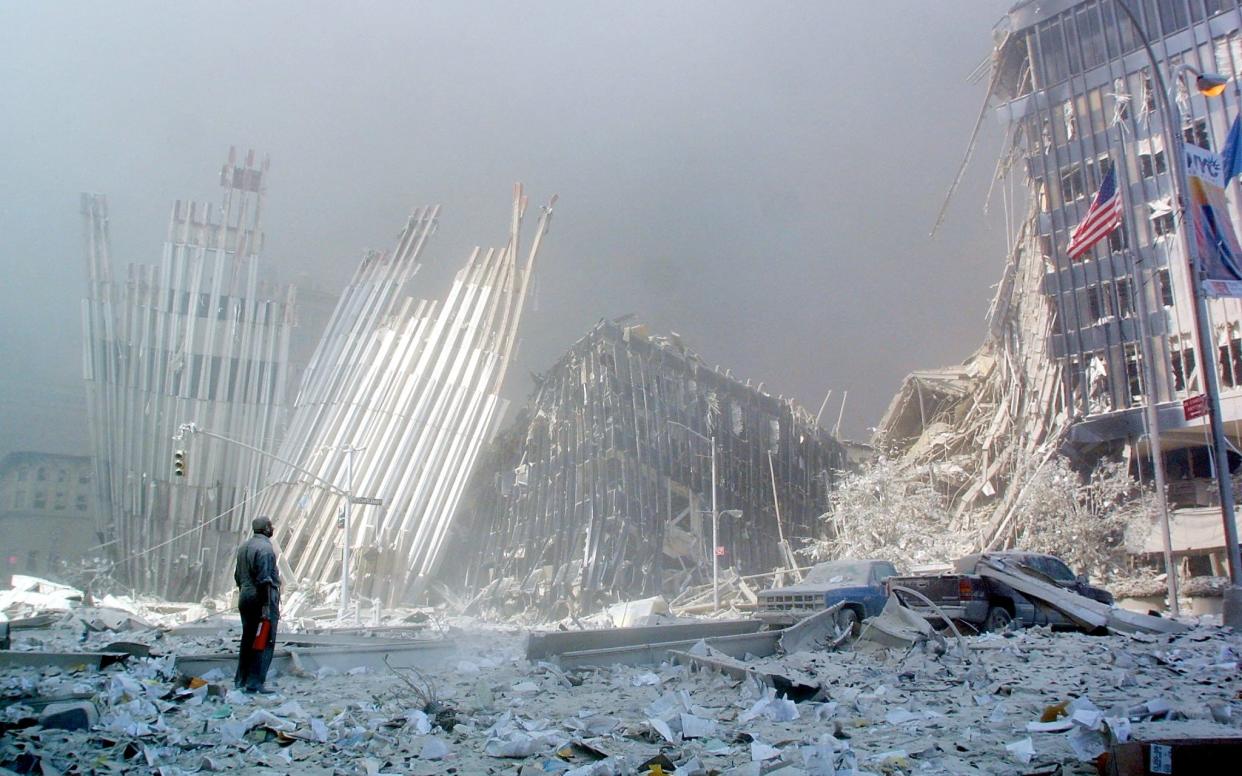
[[196, 336], [392, 411], [1077, 348], [602, 488]]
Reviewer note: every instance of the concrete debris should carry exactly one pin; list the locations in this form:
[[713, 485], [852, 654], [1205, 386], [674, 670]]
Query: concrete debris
[[863, 709]]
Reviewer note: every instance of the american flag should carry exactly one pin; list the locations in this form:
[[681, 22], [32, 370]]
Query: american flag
[[1103, 217]]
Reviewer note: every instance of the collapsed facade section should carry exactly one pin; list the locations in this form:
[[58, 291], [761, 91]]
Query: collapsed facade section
[[602, 488], [1079, 346], [195, 337], [392, 411]]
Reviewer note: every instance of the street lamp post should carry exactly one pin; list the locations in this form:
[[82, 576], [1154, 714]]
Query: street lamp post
[[1170, 117], [347, 493]]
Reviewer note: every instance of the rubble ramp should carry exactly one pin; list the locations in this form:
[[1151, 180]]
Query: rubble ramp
[[1086, 612]]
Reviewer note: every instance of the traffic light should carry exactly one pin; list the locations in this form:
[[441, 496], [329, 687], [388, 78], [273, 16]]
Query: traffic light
[[179, 463]]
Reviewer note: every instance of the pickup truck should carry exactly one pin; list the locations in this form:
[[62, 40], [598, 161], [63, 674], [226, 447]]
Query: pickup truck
[[858, 583], [988, 604]]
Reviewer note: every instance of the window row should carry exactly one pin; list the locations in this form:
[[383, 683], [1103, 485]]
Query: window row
[[60, 501], [62, 475], [1092, 33]]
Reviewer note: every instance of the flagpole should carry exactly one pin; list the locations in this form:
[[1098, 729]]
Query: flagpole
[[1173, 140]]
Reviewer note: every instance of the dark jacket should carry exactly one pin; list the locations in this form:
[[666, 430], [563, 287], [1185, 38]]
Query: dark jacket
[[256, 572]]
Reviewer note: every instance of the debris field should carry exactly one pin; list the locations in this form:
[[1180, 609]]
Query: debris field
[[1032, 701]]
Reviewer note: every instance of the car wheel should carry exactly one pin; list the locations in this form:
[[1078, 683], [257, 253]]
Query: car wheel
[[847, 620], [998, 619]]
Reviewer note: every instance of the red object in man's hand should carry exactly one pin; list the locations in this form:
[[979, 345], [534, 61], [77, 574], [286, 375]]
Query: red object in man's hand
[[265, 632]]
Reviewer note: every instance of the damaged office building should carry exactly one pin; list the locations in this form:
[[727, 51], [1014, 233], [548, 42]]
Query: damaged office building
[[602, 488], [1077, 348]]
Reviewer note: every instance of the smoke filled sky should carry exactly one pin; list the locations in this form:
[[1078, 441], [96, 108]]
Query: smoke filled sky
[[758, 177]]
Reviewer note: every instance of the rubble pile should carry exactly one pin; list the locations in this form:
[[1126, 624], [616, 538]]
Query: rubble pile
[[1028, 702]]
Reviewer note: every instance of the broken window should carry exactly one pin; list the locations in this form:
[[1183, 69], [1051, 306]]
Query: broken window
[[1041, 195], [1196, 133], [1163, 225], [1125, 300], [1166, 287], [1230, 361], [1134, 371], [1098, 306], [1099, 388], [1117, 240], [1183, 365], [1149, 95], [1121, 101], [1152, 163], [1072, 184]]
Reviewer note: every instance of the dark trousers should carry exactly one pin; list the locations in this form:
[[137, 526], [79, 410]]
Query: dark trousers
[[252, 664]]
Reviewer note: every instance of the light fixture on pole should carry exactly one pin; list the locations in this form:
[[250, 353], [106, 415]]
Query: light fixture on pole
[[1209, 84]]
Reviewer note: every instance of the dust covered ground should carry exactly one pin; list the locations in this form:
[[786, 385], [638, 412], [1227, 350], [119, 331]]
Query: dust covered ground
[[486, 710]]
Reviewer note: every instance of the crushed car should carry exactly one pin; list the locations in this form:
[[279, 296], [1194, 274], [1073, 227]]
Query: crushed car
[[987, 604], [857, 584]]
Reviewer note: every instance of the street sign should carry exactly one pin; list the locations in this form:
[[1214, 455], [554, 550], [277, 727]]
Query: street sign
[[366, 501], [1195, 407], [720, 552]]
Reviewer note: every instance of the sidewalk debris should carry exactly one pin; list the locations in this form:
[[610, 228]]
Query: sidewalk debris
[[1033, 701]]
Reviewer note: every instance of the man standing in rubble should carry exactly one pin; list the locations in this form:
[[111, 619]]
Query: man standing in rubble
[[258, 585]]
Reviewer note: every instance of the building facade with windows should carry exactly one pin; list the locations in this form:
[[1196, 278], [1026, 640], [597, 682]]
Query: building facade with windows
[[47, 513], [1074, 85]]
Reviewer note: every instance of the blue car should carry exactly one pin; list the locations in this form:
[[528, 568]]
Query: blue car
[[858, 583]]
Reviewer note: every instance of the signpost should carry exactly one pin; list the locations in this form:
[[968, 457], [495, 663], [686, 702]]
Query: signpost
[[1195, 406]]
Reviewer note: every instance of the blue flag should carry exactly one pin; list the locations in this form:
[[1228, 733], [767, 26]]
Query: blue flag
[[1231, 155]]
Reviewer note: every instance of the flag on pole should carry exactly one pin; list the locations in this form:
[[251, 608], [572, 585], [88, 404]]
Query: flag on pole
[[1102, 218], [1231, 156]]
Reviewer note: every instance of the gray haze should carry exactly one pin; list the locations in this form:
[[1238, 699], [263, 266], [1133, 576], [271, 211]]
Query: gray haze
[[759, 177]]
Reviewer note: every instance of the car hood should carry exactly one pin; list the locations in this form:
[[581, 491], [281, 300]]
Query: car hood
[[833, 592]]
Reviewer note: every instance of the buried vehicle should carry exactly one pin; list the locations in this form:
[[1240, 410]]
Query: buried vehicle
[[857, 584], [970, 595]]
